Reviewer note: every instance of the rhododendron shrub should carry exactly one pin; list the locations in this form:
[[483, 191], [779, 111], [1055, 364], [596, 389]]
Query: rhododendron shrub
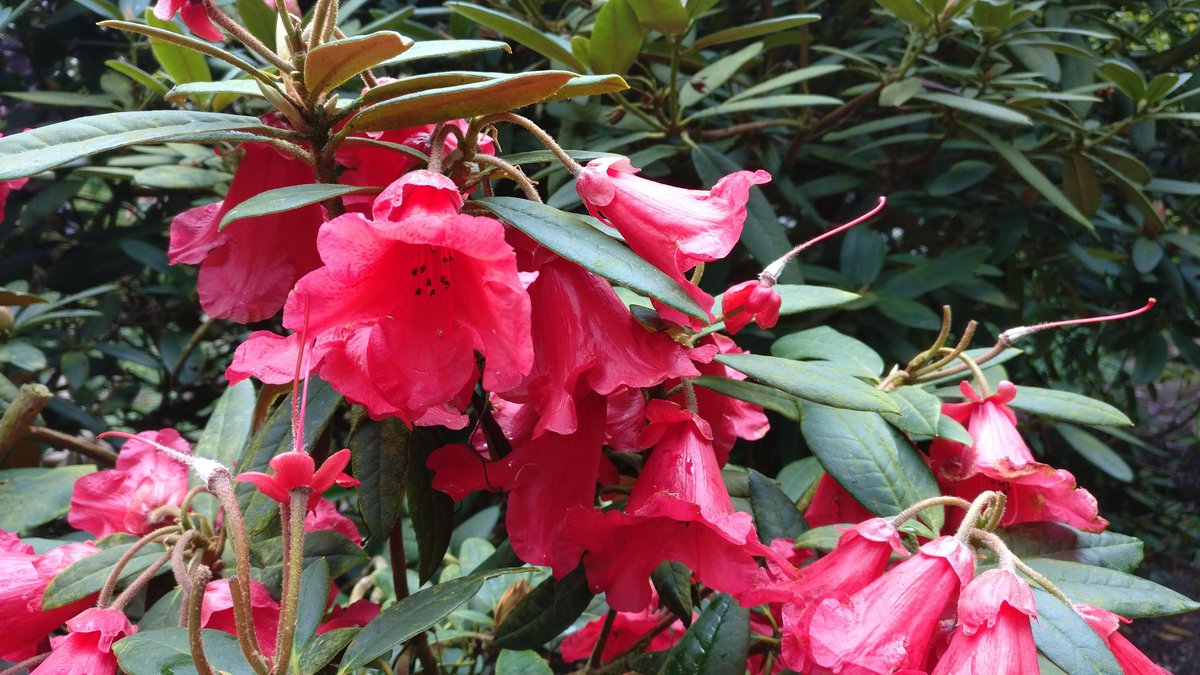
[[518, 433]]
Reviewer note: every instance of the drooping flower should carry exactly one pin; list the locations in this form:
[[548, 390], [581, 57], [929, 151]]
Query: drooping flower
[[216, 612], [123, 499], [728, 418], [627, 628], [1129, 657], [672, 228], [994, 634], [888, 624], [325, 516], [195, 17], [24, 576], [248, 268], [297, 469], [831, 504], [401, 305], [750, 301], [1000, 460], [87, 648]]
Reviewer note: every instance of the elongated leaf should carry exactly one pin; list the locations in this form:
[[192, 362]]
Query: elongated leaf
[[800, 477], [1080, 183], [1114, 590], [66, 99], [826, 344], [415, 83], [1033, 176], [191, 43], [768, 103], [799, 298], [811, 382], [1067, 641], [1068, 407], [545, 613], [469, 100], [920, 411], [412, 616], [569, 236], [49, 147], [314, 595], [673, 583], [977, 107], [1060, 542], [1127, 78], [379, 454], [31, 497], [228, 428], [767, 397], [550, 46], [289, 198], [166, 650], [87, 576], [1173, 187], [774, 514], [755, 29], [1096, 451], [715, 74], [590, 85], [616, 38], [716, 644], [322, 648], [431, 512], [182, 64], [786, 80], [868, 458], [332, 63], [523, 662], [445, 49], [180, 92], [665, 16], [259, 18]]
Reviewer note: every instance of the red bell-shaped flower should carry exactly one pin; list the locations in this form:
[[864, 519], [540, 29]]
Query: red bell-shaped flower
[[994, 635], [297, 469]]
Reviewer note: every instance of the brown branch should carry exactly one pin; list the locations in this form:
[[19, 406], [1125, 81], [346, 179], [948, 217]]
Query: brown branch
[[90, 449]]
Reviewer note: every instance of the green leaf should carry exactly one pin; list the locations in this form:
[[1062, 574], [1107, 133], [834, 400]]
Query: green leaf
[[975, 106], [960, 176], [908, 11], [549, 609], [180, 63], [524, 662], [228, 428], [616, 38], [1060, 542], [907, 312], [329, 65], [172, 37], [755, 29], [768, 103], [87, 576], [49, 147], [1114, 590], [166, 650], [64, 99], [715, 74], [668, 17], [1068, 407], [446, 49], [1096, 451], [1067, 641], [1126, 77], [1146, 255], [800, 477], [180, 92], [823, 538], [760, 395], [314, 595], [718, 642], [550, 46], [786, 80], [412, 616], [883, 471], [1173, 187], [951, 430], [179, 178], [952, 266], [571, 237], [322, 648], [819, 384], [289, 198], [431, 511], [590, 85], [258, 18], [379, 456], [775, 515], [31, 497], [797, 298], [1080, 183], [500, 94], [900, 92], [826, 344], [1033, 176], [673, 583], [415, 83], [920, 411]]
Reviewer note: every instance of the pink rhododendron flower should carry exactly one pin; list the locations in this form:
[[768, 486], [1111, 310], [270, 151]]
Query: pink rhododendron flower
[[87, 648], [627, 629], [248, 268], [728, 418], [122, 499], [325, 516], [216, 612], [195, 17], [1000, 460], [1130, 658], [297, 469], [888, 624], [24, 576], [994, 634], [672, 228], [831, 504], [750, 301], [679, 510], [401, 305]]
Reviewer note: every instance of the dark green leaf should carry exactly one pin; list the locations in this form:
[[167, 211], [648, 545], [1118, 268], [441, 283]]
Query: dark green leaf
[[867, 457], [1127, 78], [49, 147], [1068, 407], [799, 478], [964, 174], [1146, 255], [431, 511], [977, 107], [673, 583], [572, 238], [314, 595], [763, 236], [548, 45], [31, 497], [716, 644], [797, 298], [920, 411], [754, 29], [179, 177], [811, 382], [1114, 590], [1096, 451], [412, 616], [775, 515], [1080, 183], [289, 198], [164, 613], [826, 344], [908, 11], [786, 80], [823, 538], [767, 397], [173, 37], [166, 650], [524, 662], [549, 609], [322, 648], [445, 49], [950, 267], [907, 312], [1067, 641], [87, 576], [228, 428], [768, 103], [1060, 542], [379, 456], [951, 430], [65, 99]]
